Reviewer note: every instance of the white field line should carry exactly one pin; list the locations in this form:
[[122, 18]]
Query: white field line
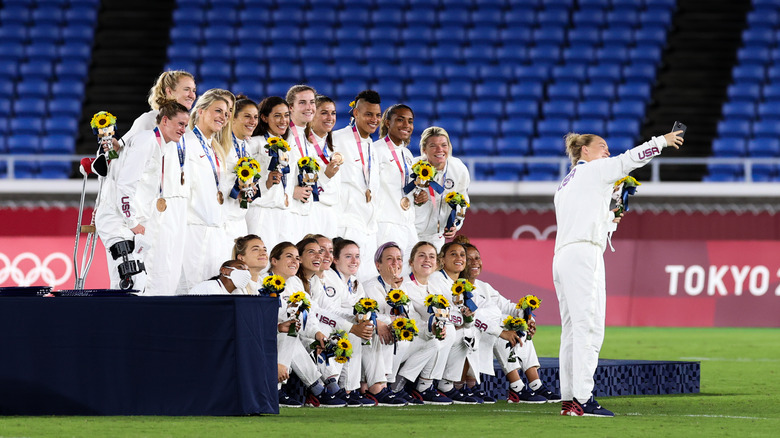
[[733, 417], [730, 359]]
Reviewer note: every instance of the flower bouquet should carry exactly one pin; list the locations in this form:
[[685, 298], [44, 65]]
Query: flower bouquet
[[517, 325], [277, 149], [103, 125], [365, 310], [273, 285], [404, 329], [307, 175], [337, 346], [458, 205], [398, 302], [462, 297], [247, 172], [528, 304], [422, 178], [439, 308], [623, 188], [298, 306]]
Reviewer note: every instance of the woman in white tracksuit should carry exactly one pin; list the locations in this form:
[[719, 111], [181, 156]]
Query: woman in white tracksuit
[[243, 125], [584, 219], [148, 196], [205, 246], [251, 250], [416, 362], [463, 356], [452, 175], [318, 132], [292, 351], [493, 308], [268, 216], [359, 177], [177, 85], [395, 218]]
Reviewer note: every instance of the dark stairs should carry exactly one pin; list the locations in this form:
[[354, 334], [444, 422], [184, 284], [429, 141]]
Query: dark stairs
[[128, 55], [691, 85]]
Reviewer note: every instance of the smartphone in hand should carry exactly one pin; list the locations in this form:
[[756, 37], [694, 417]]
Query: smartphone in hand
[[679, 126]]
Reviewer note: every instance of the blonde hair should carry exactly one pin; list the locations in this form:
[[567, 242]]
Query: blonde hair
[[168, 79], [433, 131], [574, 143], [222, 140]]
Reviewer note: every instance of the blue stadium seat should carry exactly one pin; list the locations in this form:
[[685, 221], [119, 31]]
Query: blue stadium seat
[[525, 73], [452, 15], [545, 54], [186, 34], [23, 144], [508, 171], [451, 34], [515, 36], [222, 33], [577, 53], [447, 53], [553, 127], [83, 34], [5, 111], [482, 125], [612, 54], [280, 73], [215, 71], [451, 107], [58, 144], [55, 170], [520, 17], [380, 53], [12, 50], [188, 15], [511, 56], [623, 127], [766, 110], [740, 110], [30, 107], [734, 128], [479, 53], [656, 18], [385, 71], [599, 90], [476, 146], [518, 126], [724, 172], [253, 71], [753, 55], [487, 14], [763, 18], [623, 18], [729, 147], [541, 172], [639, 72], [422, 108], [548, 146], [618, 145], [424, 15], [651, 35], [527, 89], [421, 90], [748, 92], [414, 54], [491, 90], [558, 109], [282, 52], [548, 35], [7, 88], [749, 73], [513, 146], [313, 33], [763, 147], [593, 109], [309, 52], [355, 72], [391, 91], [9, 70], [590, 126], [766, 129], [13, 34], [586, 36], [487, 108], [771, 92], [15, 15], [42, 33], [453, 125], [456, 88], [590, 17], [634, 90], [758, 37], [62, 125], [645, 54], [496, 72], [387, 15], [623, 36], [564, 90], [219, 52], [483, 171], [484, 34], [569, 72], [354, 15], [36, 70], [629, 109], [418, 35], [26, 169], [33, 88], [553, 18], [252, 88], [230, 15], [604, 73], [41, 51]]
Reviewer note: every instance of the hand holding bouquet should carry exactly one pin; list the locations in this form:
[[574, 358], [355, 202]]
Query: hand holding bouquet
[[298, 306], [398, 302], [528, 304], [439, 308], [365, 310], [462, 297]]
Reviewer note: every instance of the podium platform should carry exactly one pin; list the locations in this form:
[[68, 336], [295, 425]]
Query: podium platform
[[206, 355]]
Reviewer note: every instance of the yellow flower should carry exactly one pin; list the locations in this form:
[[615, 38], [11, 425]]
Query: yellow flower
[[344, 344], [457, 289], [352, 104], [508, 321], [449, 197], [297, 296], [273, 141], [413, 326], [533, 302], [102, 119], [303, 162], [242, 160], [274, 282], [399, 323], [245, 173], [406, 335], [443, 301], [254, 164], [429, 300], [278, 281], [395, 295], [341, 359], [368, 304]]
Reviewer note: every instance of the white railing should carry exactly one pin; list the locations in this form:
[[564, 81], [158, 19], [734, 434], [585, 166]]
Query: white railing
[[655, 164], [12, 159]]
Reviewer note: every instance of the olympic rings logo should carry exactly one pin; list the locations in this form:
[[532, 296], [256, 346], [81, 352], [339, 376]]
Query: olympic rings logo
[[14, 269]]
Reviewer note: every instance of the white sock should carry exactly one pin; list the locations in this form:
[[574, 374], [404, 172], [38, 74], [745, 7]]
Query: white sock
[[445, 385], [536, 384], [517, 386], [423, 384]]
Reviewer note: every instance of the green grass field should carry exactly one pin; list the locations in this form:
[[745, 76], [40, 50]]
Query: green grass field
[[740, 380]]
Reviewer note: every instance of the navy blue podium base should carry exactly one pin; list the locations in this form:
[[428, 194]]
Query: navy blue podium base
[[612, 377]]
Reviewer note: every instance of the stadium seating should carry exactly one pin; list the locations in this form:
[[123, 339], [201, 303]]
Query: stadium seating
[[749, 124], [517, 71], [46, 50]]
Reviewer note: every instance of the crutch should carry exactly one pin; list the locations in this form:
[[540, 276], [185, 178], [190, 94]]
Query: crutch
[[81, 270]]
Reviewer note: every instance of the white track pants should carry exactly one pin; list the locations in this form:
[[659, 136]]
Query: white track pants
[[412, 357], [290, 348], [579, 277], [112, 229], [435, 369], [525, 356], [375, 358], [459, 353], [205, 253], [271, 224], [167, 253], [350, 374]]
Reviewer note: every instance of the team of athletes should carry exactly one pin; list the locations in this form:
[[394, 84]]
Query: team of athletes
[[174, 199]]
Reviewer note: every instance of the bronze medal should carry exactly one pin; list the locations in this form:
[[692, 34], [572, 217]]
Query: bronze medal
[[368, 195], [220, 198], [405, 204], [286, 200], [182, 178], [161, 205]]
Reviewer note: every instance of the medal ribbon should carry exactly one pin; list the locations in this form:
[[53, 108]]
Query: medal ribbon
[[366, 171], [405, 170], [297, 140], [207, 150], [240, 150], [158, 137], [322, 152]]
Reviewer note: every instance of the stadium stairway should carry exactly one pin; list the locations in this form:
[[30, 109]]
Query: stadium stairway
[[129, 54], [703, 44]]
